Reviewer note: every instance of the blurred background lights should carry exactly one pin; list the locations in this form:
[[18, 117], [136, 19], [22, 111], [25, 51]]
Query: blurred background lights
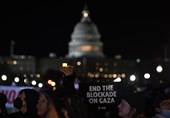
[[114, 75], [159, 69], [25, 75], [4, 77], [15, 62], [138, 89], [132, 77], [118, 79], [123, 75], [26, 81], [40, 85], [138, 60], [147, 75], [33, 82], [53, 83], [76, 85], [85, 14], [101, 69], [49, 81], [78, 63], [16, 79], [64, 64], [38, 75]]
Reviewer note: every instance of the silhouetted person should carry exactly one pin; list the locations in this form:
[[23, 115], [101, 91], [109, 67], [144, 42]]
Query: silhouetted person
[[26, 103], [3, 109]]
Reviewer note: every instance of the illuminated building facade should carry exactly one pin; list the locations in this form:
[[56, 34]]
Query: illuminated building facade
[[85, 53], [85, 39]]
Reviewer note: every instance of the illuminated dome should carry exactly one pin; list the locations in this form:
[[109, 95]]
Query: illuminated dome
[[85, 29], [85, 39]]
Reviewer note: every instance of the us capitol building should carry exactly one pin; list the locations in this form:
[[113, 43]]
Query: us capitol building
[[85, 53]]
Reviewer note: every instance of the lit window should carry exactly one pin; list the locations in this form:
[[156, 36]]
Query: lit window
[[86, 48]]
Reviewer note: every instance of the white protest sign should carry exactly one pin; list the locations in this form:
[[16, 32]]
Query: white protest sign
[[103, 94]]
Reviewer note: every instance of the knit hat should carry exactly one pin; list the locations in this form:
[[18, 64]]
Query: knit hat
[[135, 99]]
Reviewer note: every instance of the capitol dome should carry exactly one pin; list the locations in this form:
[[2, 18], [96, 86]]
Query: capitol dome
[[85, 39], [85, 29]]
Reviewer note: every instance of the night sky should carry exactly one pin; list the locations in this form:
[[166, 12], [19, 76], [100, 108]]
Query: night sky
[[133, 29]]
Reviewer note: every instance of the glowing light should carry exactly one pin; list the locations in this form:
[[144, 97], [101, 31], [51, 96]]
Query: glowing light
[[26, 81], [4, 77], [132, 77], [76, 86], [85, 14], [78, 63], [138, 60], [38, 75], [159, 69], [105, 75], [33, 82], [123, 75], [40, 85], [86, 48], [101, 69], [49, 81], [64, 64], [118, 79], [96, 75], [53, 83], [14, 62], [147, 75], [16, 79], [114, 75], [110, 75]]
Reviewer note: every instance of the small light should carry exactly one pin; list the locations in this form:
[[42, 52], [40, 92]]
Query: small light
[[132, 77], [86, 14], [38, 75], [138, 60], [33, 82], [101, 69], [78, 63], [15, 62], [53, 83], [147, 75], [16, 79], [64, 64], [40, 85], [76, 86], [159, 69], [49, 81], [26, 81], [4, 77], [118, 79]]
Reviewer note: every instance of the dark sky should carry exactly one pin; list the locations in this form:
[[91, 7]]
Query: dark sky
[[133, 29]]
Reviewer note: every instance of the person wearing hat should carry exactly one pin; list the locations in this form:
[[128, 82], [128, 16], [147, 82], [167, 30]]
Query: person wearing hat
[[132, 105], [3, 109], [26, 103]]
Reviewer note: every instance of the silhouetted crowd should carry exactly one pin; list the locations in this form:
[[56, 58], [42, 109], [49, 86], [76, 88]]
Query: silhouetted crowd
[[66, 102]]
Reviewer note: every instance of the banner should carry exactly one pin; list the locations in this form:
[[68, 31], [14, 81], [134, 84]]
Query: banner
[[11, 92]]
